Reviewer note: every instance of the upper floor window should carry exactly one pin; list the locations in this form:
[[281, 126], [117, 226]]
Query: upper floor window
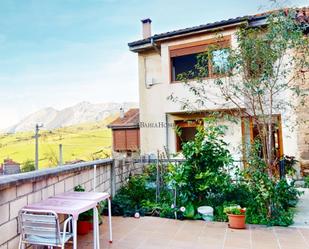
[[194, 60]]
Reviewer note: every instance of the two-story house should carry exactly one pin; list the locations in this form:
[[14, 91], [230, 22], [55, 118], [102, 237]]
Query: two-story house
[[161, 57]]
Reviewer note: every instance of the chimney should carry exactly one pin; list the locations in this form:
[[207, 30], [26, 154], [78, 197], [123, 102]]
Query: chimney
[[121, 113], [146, 28]]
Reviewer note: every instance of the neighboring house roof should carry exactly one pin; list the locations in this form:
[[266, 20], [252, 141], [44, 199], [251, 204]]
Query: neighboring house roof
[[8, 162], [130, 120], [253, 20]]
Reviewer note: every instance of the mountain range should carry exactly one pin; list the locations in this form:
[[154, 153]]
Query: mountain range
[[83, 112]]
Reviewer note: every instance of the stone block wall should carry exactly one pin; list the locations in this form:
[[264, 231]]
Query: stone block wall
[[303, 127], [124, 169], [18, 190]]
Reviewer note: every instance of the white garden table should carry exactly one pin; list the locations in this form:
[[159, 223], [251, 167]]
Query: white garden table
[[75, 203], [92, 196]]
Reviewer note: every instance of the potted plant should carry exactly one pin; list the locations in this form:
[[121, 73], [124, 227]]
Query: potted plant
[[84, 223], [236, 216], [85, 220]]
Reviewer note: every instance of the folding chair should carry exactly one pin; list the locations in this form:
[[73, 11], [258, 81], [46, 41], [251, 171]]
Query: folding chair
[[41, 227]]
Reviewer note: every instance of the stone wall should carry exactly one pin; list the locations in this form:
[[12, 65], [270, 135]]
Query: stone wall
[[303, 127], [125, 168], [19, 190]]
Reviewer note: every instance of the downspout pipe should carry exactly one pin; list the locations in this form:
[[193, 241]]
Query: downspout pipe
[[154, 45], [166, 134]]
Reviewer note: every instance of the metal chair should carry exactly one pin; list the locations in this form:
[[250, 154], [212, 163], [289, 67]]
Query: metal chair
[[42, 227]]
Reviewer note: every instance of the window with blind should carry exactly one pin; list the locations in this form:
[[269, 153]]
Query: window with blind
[[189, 59]]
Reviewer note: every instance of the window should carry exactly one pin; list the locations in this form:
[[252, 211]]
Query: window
[[220, 64], [251, 133], [189, 58], [186, 131], [126, 140], [184, 64]]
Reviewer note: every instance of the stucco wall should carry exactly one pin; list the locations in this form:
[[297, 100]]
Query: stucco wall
[[155, 68], [154, 104]]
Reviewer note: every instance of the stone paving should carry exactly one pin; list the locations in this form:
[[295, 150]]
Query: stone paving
[[151, 233], [301, 218]]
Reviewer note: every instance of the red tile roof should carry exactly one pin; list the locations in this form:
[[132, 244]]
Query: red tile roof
[[9, 162], [130, 120]]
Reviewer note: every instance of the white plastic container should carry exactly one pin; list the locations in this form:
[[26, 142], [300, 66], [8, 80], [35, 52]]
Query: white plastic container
[[207, 213]]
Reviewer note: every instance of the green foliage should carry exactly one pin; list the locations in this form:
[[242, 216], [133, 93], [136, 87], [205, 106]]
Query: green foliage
[[205, 179], [260, 70], [234, 209], [307, 182], [271, 199], [28, 166], [135, 196], [290, 162], [189, 213], [79, 188]]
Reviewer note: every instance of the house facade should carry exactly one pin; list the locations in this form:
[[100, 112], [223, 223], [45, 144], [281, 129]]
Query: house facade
[[161, 57], [126, 134], [9, 167]]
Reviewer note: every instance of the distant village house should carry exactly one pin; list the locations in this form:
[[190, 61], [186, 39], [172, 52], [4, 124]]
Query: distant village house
[[9, 167], [125, 132]]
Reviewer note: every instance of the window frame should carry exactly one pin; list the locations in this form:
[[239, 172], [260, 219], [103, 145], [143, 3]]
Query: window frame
[[250, 125], [198, 47], [186, 123]]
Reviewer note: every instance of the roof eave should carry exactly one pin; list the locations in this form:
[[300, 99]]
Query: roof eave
[[146, 45], [141, 47], [120, 127]]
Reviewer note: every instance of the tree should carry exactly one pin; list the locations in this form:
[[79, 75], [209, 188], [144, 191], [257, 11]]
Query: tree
[[28, 166], [263, 75], [52, 157]]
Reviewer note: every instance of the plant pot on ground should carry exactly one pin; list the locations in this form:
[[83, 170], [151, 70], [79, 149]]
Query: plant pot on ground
[[84, 223], [83, 227], [236, 216], [85, 220]]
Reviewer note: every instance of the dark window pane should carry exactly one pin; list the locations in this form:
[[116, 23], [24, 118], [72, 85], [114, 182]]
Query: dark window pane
[[188, 134], [184, 64]]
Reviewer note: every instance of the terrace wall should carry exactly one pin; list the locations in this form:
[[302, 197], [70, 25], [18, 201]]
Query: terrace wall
[[19, 190]]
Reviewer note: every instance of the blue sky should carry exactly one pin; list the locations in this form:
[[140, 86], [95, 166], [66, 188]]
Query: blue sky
[[60, 52]]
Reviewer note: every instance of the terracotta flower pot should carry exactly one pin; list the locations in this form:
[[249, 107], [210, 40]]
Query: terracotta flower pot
[[90, 226], [83, 227], [237, 221]]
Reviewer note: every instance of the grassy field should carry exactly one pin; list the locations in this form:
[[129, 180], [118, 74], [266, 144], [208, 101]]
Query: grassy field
[[86, 141]]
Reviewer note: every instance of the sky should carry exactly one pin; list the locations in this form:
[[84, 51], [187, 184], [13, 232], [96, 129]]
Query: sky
[[57, 53]]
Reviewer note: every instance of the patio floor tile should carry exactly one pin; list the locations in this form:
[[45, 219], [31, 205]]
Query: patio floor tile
[[151, 233]]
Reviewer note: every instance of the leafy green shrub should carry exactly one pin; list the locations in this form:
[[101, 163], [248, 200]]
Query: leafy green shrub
[[79, 188], [130, 197], [307, 182], [203, 178], [234, 209], [271, 198], [290, 162], [28, 166]]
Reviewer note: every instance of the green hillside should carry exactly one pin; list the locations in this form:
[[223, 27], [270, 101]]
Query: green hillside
[[86, 141]]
